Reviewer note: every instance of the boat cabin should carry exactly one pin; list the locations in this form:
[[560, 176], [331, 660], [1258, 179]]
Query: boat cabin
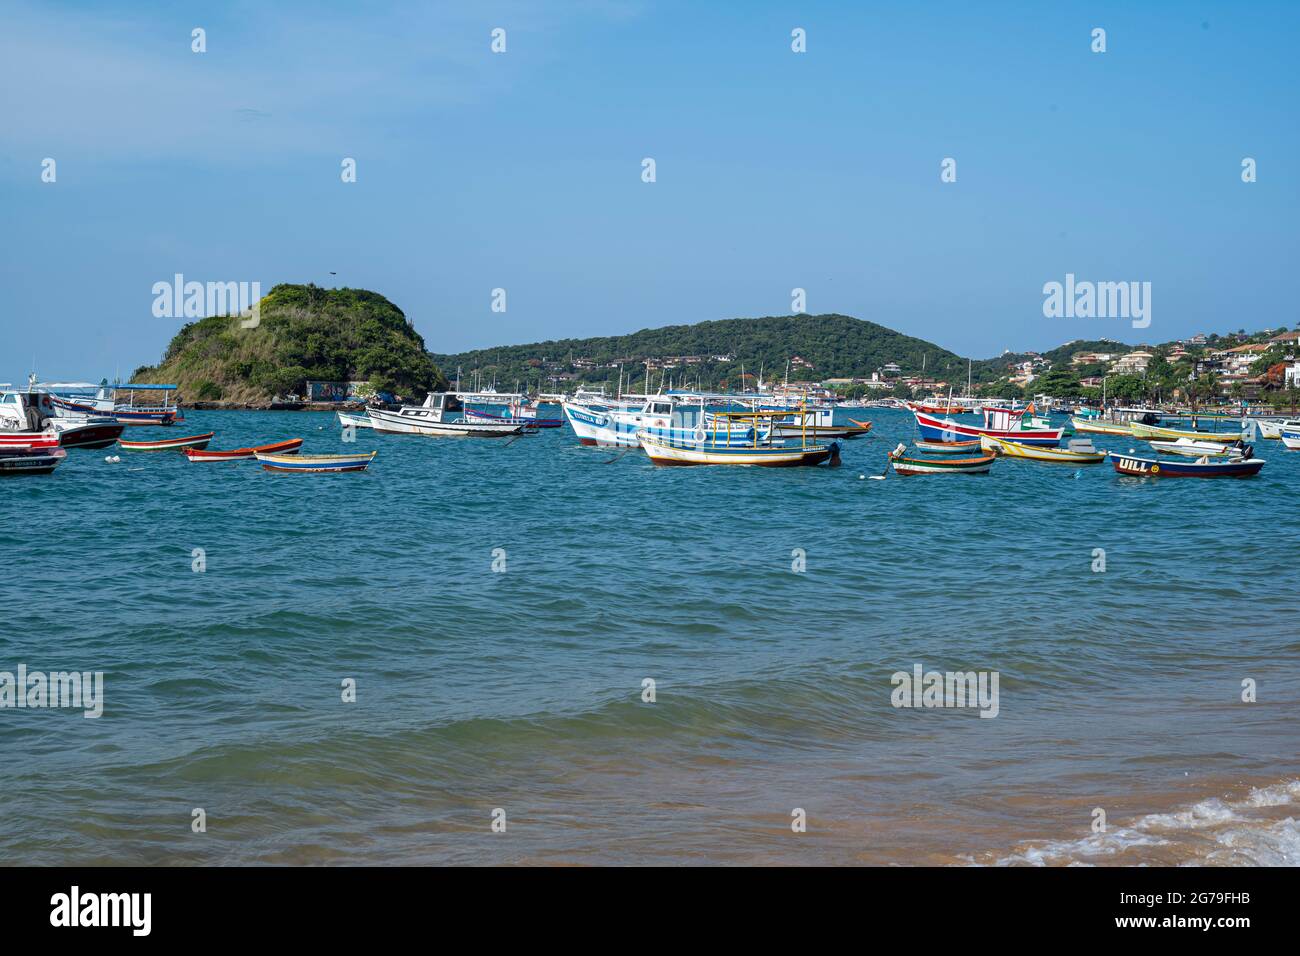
[[25, 411]]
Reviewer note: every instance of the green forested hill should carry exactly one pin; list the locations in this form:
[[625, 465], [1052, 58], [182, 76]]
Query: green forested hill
[[305, 333], [835, 345]]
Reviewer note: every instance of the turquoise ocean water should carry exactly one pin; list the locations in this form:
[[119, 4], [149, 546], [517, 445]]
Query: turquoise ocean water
[[521, 689]]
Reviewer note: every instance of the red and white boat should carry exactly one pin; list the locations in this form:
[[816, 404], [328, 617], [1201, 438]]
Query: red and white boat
[[1001, 423], [288, 447], [25, 440], [168, 444], [34, 412]]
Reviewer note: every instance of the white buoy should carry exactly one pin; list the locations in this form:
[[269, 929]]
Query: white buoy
[[860, 477]]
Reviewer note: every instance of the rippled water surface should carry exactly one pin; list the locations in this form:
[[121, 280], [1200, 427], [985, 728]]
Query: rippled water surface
[[522, 690]]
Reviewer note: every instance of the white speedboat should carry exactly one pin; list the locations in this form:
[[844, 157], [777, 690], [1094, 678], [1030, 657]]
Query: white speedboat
[[432, 419]]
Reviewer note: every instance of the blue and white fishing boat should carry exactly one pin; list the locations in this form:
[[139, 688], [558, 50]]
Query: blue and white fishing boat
[[617, 423], [720, 445]]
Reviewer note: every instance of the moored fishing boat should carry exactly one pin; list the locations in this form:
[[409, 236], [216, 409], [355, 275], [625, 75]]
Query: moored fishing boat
[[721, 444], [168, 444], [1203, 467], [1147, 432], [904, 465], [668, 451], [26, 460], [356, 421], [970, 446], [1000, 423], [287, 447], [1078, 452], [670, 417], [1273, 428], [34, 411], [1191, 448], [799, 421], [107, 400], [1098, 427], [316, 464], [431, 419], [1291, 441]]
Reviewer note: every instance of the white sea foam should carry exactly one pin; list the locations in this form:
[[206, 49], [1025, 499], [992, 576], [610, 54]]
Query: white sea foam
[[1209, 832]]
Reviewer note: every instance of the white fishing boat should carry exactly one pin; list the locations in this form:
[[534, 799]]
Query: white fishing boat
[[432, 419], [1273, 428], [356, 421], [670, 417], [1191, 448], [1291, 440], [719, 445]]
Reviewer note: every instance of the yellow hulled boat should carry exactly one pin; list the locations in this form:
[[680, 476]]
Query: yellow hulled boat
[[1079, 452], [1098, 427], [1147, 432]]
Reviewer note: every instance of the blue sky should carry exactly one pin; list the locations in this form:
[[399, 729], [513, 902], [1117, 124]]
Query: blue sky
[[522, 170]]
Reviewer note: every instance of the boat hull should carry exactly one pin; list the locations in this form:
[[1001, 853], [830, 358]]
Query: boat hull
[[1147, 432], [1153, 468], [37, 461], [944, 429], [1274, 429], [356, 421], [971, 447], [1062, 456], [528, 423], [771, 456], [415, 424], [1189, 448], [942, 466], [24, 440], [89, 434], [174, 444], [289, 447], [1099, 428], [820, 431], [316, 464]]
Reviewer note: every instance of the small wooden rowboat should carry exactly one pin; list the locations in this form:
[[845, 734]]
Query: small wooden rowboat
[[316, 464], [26, 460], [939, 466], [1203, 467], [168, 444], [1079, 451], [971, 447], [288, 447]]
